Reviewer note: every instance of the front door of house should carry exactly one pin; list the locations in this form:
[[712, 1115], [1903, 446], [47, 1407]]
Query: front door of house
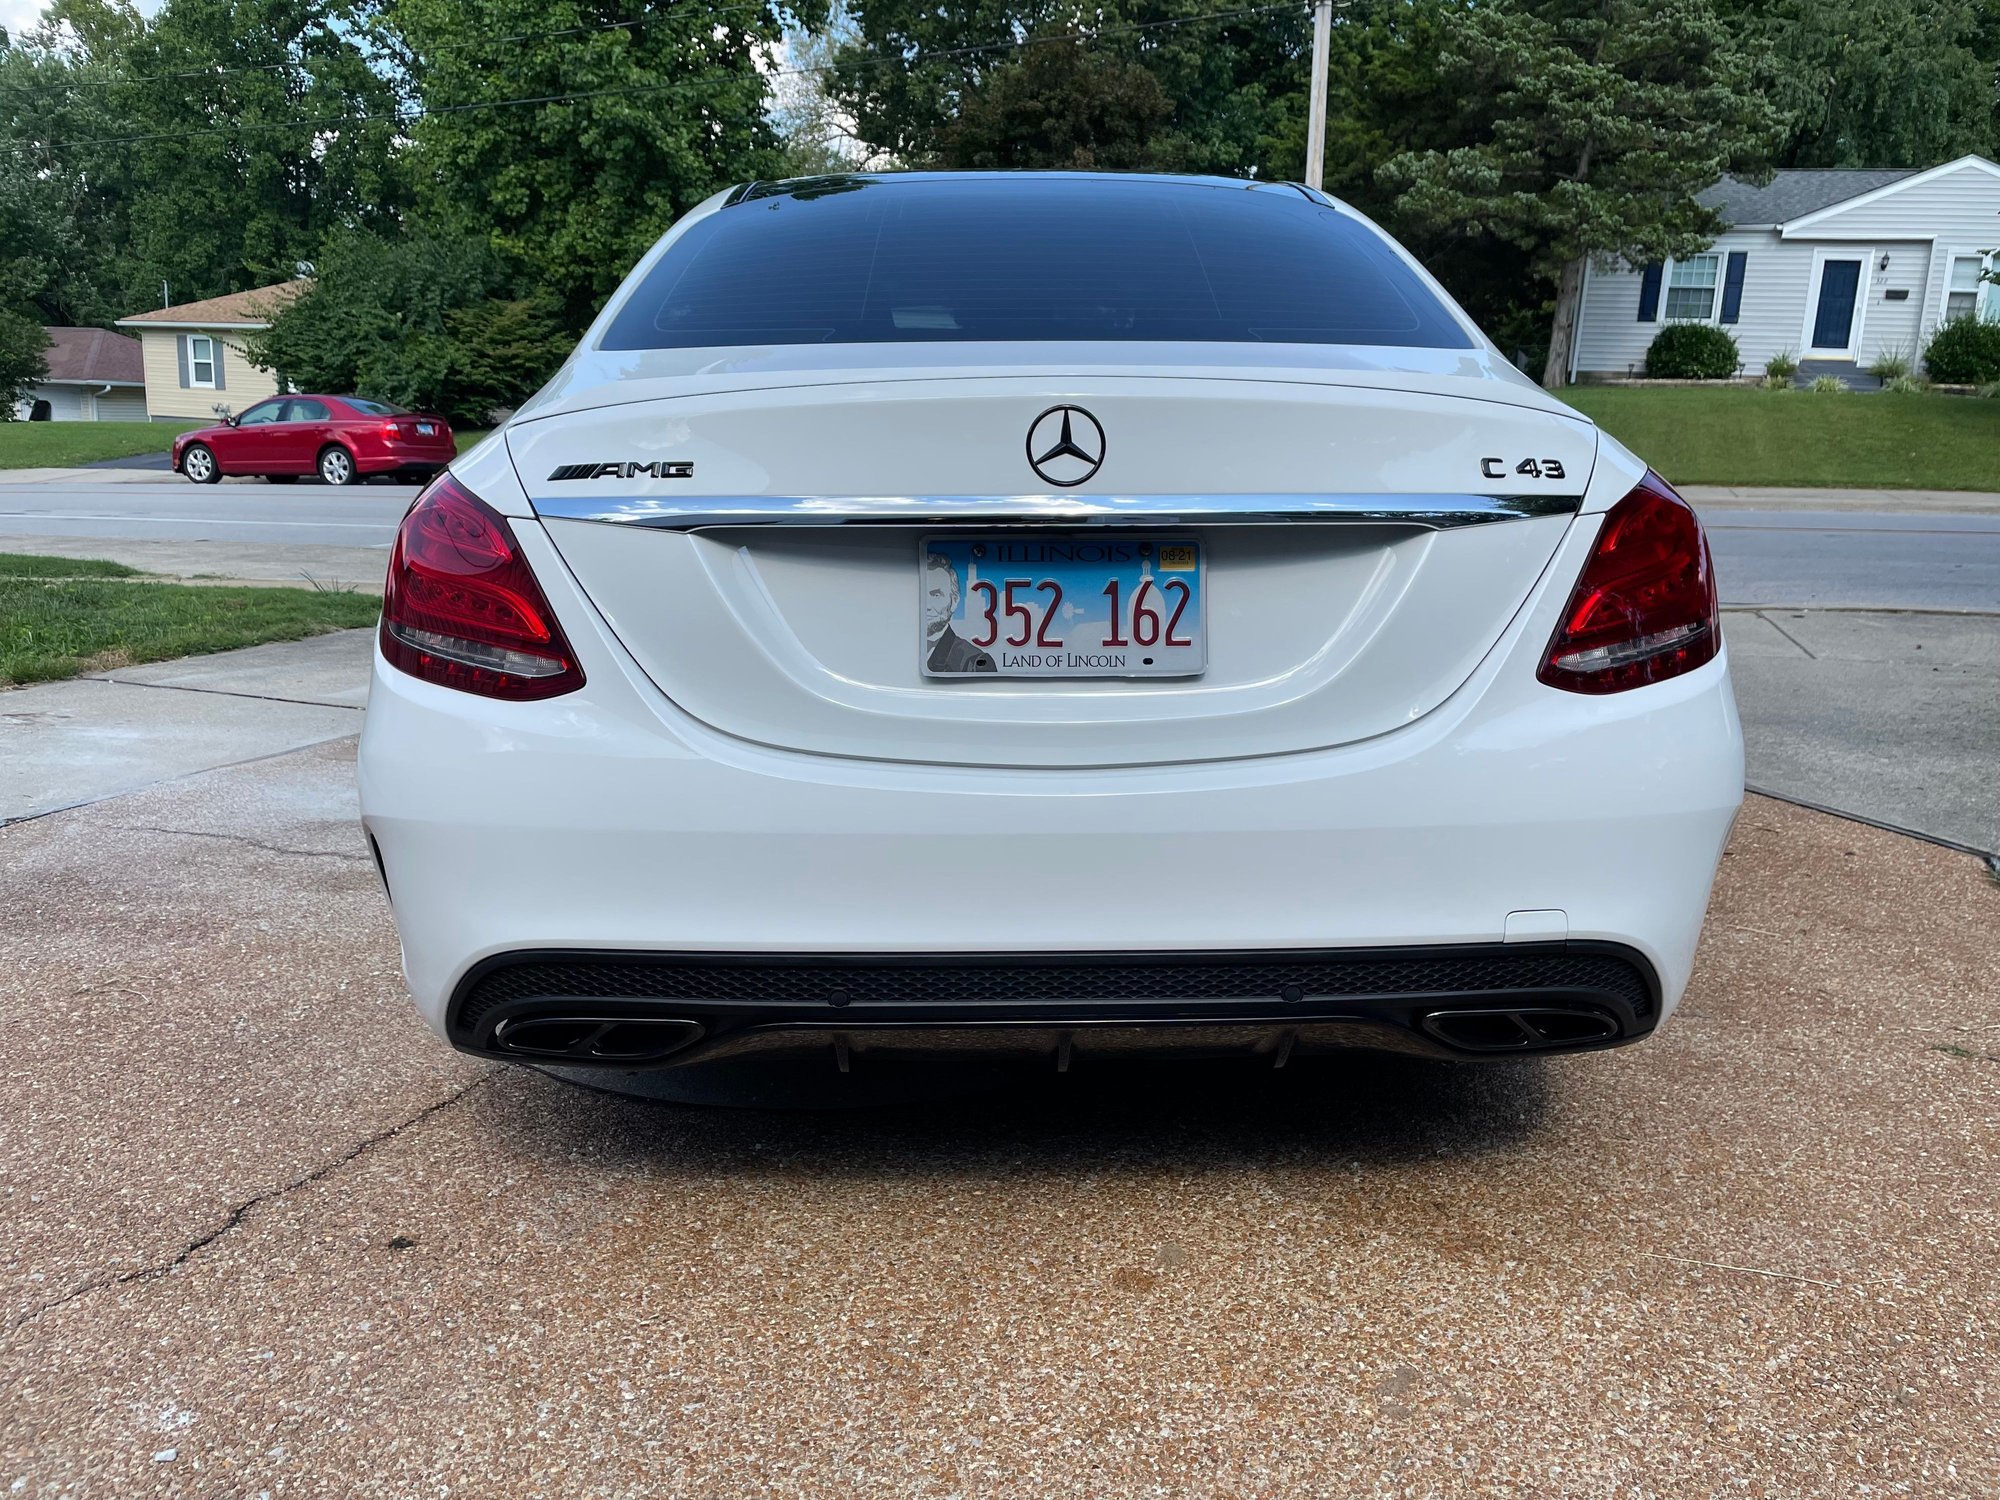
[[1835, 307]]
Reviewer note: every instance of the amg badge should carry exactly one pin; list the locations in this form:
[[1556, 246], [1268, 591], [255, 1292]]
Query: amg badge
[[659, 468]]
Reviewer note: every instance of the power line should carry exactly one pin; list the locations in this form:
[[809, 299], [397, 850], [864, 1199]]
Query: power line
[[414, 114]]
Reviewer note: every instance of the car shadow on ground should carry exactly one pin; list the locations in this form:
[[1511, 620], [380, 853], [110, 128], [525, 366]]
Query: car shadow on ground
[[1370, 1109]]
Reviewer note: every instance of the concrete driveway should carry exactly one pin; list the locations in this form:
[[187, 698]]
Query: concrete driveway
[[266, 1235]]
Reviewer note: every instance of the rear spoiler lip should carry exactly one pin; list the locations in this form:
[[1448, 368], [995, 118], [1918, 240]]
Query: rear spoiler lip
[[698, 512]]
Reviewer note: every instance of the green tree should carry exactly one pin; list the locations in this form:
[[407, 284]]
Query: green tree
[[1599, 120], [643, 113], [63, 207], [504, 350], [260, 127], [424, 322], [914, 81], [1060, 104], [1876, 83], [22, 362]]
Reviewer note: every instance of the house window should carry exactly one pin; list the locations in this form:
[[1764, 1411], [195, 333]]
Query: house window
[[1691, 289], [1961, 296], [201, 360]]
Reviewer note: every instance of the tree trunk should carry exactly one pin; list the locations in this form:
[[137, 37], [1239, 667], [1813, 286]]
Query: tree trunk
[[1562, 337]]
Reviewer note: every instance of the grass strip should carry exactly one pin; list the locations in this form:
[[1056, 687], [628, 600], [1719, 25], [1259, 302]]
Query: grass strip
[[51, 628], [1739, 436], [69, 445]]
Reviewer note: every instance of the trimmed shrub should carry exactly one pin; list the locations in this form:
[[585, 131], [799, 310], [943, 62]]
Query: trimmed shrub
[[1783, 366], [1691, 351], [1965, 351], [1828, 385]]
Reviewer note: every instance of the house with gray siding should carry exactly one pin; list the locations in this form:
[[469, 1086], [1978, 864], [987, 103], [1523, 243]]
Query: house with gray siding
[[1833, 267], [94, 375]]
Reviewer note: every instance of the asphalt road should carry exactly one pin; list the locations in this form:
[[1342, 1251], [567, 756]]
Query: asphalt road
[[1847, 558], [176, 511]]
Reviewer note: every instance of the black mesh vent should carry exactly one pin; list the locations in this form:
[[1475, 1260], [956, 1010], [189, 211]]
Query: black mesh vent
[[864, 983]]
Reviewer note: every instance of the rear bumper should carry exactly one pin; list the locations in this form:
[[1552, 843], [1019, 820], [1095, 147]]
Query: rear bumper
[[608, 822], [384, 460], [627, 1011]]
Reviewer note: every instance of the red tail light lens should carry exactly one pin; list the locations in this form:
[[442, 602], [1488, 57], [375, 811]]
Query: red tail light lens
[[1644, 609], [461, 607]]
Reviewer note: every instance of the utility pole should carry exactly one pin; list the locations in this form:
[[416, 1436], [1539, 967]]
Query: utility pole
[[1316, 115]]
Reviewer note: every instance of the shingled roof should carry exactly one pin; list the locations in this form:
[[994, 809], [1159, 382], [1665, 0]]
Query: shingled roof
[[93, 356], [252, 309], [1795, 192]]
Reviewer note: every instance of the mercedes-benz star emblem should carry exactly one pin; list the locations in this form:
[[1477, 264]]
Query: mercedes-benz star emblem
[[1065, 446]]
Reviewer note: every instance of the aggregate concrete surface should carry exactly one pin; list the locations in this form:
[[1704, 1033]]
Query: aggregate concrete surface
[[267, 1236]]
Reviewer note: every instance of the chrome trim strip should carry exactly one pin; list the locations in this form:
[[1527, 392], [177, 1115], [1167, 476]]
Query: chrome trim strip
[[694, 512]]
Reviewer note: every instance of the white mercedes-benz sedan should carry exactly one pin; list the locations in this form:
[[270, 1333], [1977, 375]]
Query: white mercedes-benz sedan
[[1055, 616]]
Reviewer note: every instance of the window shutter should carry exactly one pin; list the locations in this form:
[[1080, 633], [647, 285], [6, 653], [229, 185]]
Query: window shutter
[[181, 350], [1649, 294], [1732, 285], [216, 346]]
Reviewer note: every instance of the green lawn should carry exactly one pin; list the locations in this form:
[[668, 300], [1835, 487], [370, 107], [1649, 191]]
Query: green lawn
[[66, 445], [1750, 436], [62, 616]]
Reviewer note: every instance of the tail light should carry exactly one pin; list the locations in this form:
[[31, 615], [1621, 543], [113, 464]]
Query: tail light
[[392, 430], [461, 607], [1644, 609]]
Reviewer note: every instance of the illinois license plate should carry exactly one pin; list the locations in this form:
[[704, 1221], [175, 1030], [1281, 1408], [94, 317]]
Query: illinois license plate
[[426, 429], [1087, 606]]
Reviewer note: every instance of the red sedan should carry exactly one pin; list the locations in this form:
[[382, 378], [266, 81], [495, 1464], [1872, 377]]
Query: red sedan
[[340, 438]]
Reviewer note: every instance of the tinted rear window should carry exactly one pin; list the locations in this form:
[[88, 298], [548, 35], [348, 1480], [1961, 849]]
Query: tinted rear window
[[883, 260]]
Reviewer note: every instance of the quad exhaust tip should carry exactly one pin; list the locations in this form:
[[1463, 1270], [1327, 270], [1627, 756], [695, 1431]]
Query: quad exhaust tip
[[595, 1038], [1532, 1029]]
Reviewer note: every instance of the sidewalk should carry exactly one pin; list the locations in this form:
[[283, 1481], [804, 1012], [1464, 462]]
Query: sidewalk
[[63, 744], [112, 474], [82, 476], [285, 564]]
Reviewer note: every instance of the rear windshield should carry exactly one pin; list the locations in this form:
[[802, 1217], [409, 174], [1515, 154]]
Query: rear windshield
[[376, 408], [884, 260]]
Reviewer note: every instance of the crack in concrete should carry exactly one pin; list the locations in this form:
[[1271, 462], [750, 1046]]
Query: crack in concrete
[[1787, 635], [237, 838], [214, 692], [243, 1210]]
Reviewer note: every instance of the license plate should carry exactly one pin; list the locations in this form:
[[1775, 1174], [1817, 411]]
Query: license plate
[[1090, 606], [427, 429]]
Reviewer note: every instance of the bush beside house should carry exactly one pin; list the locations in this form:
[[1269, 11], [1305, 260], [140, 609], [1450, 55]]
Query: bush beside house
[[1691, 351], [1965, 351]]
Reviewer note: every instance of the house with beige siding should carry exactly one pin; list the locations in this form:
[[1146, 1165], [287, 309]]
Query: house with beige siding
[[194, 356], [1835, 268]]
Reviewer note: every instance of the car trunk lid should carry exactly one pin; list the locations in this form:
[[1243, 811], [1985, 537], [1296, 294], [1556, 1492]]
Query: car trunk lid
[[759, 551]]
